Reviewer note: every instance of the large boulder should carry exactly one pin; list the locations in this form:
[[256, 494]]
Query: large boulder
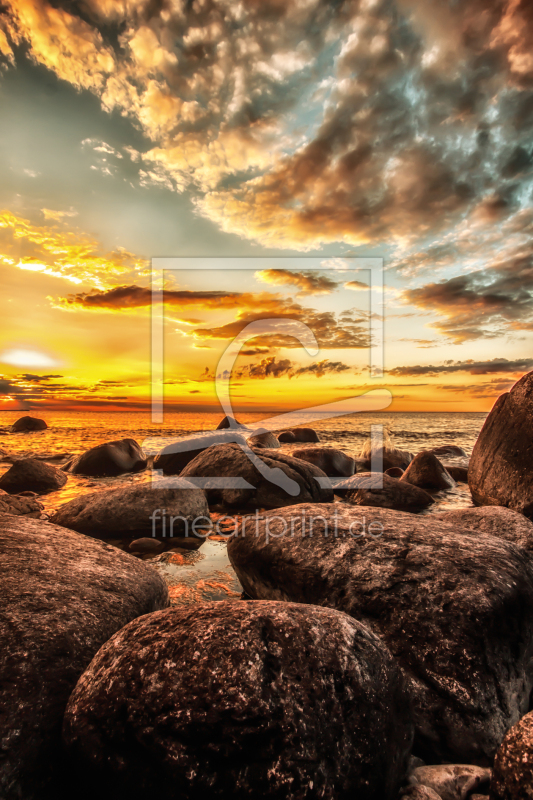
[[169, 508], [25, 424], [173, 458], [426, 471], [512, 777], [267, 479], [380, 490], [109, 459], [32, 475], [499, 472], [492, 521], [455, 609], [20, 506], [63, 596], [241, 700], [264, 439], [333, 462]]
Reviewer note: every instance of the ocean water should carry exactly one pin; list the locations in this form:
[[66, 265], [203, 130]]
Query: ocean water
[[206, 574]]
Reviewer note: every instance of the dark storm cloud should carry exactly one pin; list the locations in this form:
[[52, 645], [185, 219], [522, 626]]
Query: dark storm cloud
[[272, 367]]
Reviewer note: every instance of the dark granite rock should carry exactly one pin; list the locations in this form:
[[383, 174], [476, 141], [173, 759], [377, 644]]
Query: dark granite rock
[[452, 781], [305, 435], [29, 474], [146, 545], [493, 521], [264, 439], [333, 462], [454, 608], [499, 473], [63, 596], [241, 700], [174, 457], [229, 422], [383, 458], [109, 459], [512, 777], [380, 490], [285, 480], [127, 511], [394, 472], [459, 474], [426, 472], [20, 506], [451, 450], [286, 437], [25, 424]]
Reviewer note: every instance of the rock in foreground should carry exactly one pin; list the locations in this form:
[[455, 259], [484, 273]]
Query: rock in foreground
[[109, 459], [63, 596], [499, 472], [382, 491], [27, 424], [144, 509], [493, 521], [269, 479], [31, 475], [512, 777], [20, 506], [241, 700], [453, 608], [426, 472]]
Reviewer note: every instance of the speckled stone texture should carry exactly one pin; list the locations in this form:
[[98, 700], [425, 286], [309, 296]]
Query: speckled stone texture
[[26, 424], [32, 475], [127, 510], [335, 463], [452, 781], [229, 460], [382, 491], [241, 700], [20, 506], [493, 521], [63, 596], [499, 472], [454, 608], [426, 471], [512, 776], [109, 459]]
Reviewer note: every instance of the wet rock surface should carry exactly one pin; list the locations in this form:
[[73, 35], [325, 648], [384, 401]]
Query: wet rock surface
[[176, 456], [512, 777], [383, 458], [167, 508], [63, 596], [426, 472], [30, 474], [264, 439], [493, 521], [452, 607], [286, 437], [458, 473], [380, 490], [27, 424], [450, 450], [109, 459], [283, 481], [303, 435], [333, 462], [499, 472], [275, 700]]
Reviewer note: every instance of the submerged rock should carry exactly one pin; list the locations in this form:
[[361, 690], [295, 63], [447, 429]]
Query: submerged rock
[[63, 596], [109, 459], [426, 471], [25, 424], [493, 521], [499, 473], [512, 777], [176, 456], [453, 608], [229, 422], [269, 480], [241, 700], [29, 474], [380, 490], [333, 462], [169, 508]]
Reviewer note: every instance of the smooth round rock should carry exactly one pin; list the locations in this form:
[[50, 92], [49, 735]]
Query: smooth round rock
[[168, 508], [229, 422], [286, 437], [512, 776], [333, 462], [29, 474], [145, 545], [451, 450], [426, 472], [394, 472], [241, 700], [382, 491], [63, 596], [261, 479], [28, 424], [305, 435], [454, 608], [109, 459], [264, 439], [173, 458]]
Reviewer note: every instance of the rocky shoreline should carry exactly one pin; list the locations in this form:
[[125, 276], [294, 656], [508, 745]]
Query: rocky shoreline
[[376, 651]]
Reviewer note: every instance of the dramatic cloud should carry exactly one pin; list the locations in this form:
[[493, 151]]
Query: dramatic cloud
[[272, 367], [495, 365], [308, 283]]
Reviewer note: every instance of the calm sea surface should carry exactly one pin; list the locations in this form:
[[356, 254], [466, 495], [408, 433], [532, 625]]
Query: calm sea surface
[[206, 574]]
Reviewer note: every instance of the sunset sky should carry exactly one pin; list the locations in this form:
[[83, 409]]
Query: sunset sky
[[288, 136]]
